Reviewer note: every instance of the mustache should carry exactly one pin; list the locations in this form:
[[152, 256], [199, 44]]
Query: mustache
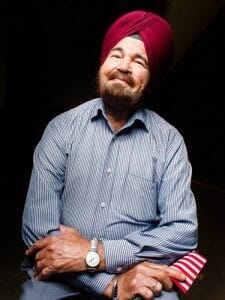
[[121, 76]]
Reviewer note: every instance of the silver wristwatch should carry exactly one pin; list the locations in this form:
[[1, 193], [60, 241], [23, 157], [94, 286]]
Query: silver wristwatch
[[92, 258]]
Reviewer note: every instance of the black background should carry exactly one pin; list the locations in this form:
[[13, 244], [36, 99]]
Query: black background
[[51, 54]]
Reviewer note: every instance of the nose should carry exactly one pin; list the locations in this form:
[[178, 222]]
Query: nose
[[124, 65]]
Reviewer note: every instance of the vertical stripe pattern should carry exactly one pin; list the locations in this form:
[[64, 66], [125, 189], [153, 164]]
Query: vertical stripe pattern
[[131, 189]]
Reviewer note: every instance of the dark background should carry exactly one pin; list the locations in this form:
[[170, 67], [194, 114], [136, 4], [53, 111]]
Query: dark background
[[49, 55]]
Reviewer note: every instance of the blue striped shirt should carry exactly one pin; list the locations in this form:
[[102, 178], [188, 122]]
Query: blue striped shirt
[[130, 189]]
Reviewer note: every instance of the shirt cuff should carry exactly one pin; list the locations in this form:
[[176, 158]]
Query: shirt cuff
[[119, 255], [95, 283]]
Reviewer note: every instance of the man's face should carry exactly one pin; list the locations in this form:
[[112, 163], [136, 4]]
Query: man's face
[[124, 75]]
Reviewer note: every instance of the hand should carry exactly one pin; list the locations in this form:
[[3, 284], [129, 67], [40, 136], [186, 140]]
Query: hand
[[146, 280], [59, 254]]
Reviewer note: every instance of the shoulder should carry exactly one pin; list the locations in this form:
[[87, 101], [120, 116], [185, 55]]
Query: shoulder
[[63, 128], [75, 117], [160, 127]]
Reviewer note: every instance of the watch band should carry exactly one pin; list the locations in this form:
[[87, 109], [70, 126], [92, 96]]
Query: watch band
[[115, 288], [94, 245]]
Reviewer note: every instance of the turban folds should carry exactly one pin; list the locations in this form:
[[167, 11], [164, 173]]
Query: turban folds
[[155, 33]]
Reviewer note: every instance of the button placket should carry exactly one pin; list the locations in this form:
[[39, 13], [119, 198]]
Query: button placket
[[106, 186]]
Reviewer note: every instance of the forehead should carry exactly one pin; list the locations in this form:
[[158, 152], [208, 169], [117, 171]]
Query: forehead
[[131, 45]]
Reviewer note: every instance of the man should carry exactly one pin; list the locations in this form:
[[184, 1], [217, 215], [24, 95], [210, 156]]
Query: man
[[110, 187]]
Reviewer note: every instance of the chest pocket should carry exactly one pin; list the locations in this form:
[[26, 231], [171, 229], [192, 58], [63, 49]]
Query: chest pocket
[[139, 200]]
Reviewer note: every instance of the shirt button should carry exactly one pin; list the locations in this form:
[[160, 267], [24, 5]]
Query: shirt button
[[103, 204], [119, 269], [108, 171]]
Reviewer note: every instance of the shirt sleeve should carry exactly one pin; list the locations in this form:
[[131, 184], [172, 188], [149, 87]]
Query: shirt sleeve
[[94, 283], [175, 233], [41, 215]]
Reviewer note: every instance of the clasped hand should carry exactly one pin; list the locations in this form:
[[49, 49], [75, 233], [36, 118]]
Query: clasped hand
[[147, 280], [65, 253], [59, 254]]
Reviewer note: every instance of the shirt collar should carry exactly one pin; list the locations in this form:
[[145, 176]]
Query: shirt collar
[[138, 119]]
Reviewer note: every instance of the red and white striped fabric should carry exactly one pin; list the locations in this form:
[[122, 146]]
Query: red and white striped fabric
[[191, 265]]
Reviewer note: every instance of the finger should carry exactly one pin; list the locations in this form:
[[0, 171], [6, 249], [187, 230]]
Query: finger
[[32, 250], [172, 272], [177, 274], [36, 271], [164, 280], [39, 265], [145, 293], [161, 276], [156, 287], [40, 255], [39, 245], [44, 274]]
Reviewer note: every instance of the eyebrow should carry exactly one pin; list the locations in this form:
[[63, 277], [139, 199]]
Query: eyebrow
[[136, 55]]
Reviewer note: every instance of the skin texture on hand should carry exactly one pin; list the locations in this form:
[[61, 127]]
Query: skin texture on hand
[[66, 252], [146, 280], [60, 254]]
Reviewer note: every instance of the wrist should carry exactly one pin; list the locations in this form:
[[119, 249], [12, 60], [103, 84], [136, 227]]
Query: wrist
[[92, 258], [101, 266], [95, 258], [108, 292], [115, 288]]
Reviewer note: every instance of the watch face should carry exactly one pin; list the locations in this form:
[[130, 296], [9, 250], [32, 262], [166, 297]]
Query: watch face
[[92, 259]]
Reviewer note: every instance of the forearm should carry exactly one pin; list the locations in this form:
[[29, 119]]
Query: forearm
[[160, 245], [97, 284]]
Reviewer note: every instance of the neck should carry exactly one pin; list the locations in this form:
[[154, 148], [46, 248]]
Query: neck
[[118, 111], [118, 118], [115, 122]]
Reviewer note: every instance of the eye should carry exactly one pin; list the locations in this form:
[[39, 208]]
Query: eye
[[140, 62], [115, 55]]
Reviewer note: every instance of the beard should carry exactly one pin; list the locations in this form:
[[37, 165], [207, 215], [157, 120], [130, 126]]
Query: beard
[[118, 99]]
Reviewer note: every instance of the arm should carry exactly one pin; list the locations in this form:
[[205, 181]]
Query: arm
[[125, 253], [60, 254], [42, 209], [63, 254], [41, 215], [175, 233]]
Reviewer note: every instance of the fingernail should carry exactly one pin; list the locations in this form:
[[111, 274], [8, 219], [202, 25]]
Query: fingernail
[[183, 277]]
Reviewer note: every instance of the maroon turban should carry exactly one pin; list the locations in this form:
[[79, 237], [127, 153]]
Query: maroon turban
[[153, 30]]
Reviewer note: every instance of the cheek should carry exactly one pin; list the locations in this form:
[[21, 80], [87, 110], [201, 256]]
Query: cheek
[[144, 79], [142, 82], [103, 72]]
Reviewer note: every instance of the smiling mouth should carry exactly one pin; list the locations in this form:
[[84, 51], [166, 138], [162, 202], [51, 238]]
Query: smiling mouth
[[121, 78]]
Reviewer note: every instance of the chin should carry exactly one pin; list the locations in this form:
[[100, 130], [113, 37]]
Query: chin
[[118, 89]]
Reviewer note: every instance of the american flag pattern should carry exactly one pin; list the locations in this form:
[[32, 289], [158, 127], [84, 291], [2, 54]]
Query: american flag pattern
[[191, 265]]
